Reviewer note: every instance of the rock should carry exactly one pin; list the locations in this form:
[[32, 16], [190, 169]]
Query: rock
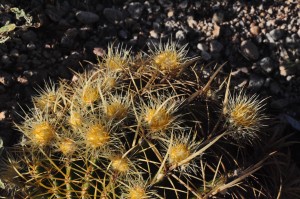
[[29, 36], [202, 47], [53, 13], [267, 64], [218, 17], [275, 88], [215, 46], [249, 50], [270, 38], [256, 82], [216, 31], [183, 5], [6, 79], [135, 9], [153, 34], [205, 55], [277, 34], [254, 30], [123, 34], [87, 17], [191, 22], [286, 70], [113, 15], [31, 46], [180, 35], [67, 40]]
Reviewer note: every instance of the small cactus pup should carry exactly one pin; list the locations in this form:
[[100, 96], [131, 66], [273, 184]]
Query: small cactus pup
[[141, 126]]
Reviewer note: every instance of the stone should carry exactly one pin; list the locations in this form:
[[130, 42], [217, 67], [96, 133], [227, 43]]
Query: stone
[[218, 17], [135, 9], [180, 35], [249, 50], [205, 55], [216, 31], [87, 17], [123, 34], [113, 15], [202, 47], [267, 64], [277, 34], [256, 82], [254, 30], [270, 38], [153, 34], [29, 36], [215, 46]]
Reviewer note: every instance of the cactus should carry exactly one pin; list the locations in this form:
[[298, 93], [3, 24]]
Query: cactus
[[148, 126]]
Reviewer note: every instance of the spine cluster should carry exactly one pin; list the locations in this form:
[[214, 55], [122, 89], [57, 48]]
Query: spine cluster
[[135, 127]]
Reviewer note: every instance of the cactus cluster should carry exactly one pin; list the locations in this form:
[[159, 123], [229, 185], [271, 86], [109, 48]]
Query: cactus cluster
[[137, 127]]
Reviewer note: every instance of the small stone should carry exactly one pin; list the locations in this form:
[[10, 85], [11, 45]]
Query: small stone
[[170, 13], [135, 9], [113, 15], [270, 38], [123, 34], [2, 115], [23, 80], [99, 51], [254, 30], [53, 13], [277, 34], [205, 55], [249, 50], [31, 46], [287, 70], [29, 36], [202, 47], [180, 35], [267, 64], [87, 17], [256, 82], [275, 88], [215, 46], [183, 5], [216, 31], [153, 34], [191, 22], [218, 17]]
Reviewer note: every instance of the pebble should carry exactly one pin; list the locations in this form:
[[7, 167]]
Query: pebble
[[267, 64], [135, 9], [113, 15], [29, 36], [249, 50], [87, 17], [218, 17], [205, 55], [216, 31], [254, 30], [276, 34], [256, 82], [202, 47], [31, 46], [180, 35], [123, 34], [215, 46]]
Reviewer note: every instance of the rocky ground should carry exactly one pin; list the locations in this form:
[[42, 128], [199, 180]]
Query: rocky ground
[[259, 40]]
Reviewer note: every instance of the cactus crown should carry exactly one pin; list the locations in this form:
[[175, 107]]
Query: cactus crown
[[130, 129]]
